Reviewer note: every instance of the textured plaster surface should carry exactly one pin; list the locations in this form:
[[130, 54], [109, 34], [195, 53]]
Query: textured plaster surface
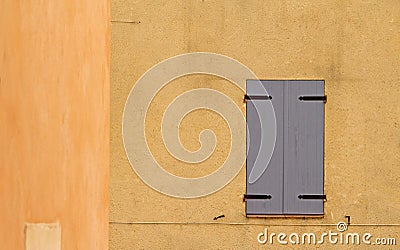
[[353, 45]]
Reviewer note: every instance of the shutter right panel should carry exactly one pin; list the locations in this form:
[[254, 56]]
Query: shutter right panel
[[304, 147]]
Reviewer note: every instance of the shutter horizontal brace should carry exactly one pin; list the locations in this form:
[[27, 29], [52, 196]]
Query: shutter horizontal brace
[[312, 196], [257, 197], [313, 98], [257, 97]]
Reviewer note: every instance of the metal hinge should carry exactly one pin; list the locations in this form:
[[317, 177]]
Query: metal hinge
[[257, 197], [313, 98], [312, 197], [257, 97]]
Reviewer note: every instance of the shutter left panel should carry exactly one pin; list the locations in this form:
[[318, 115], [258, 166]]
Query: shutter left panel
[[259, 138]]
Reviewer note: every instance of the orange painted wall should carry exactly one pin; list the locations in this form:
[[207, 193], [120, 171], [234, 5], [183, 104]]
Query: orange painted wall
[[54, 120]]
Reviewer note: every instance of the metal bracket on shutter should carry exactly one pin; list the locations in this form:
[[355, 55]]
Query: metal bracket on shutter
[[257, 97], [313, 98], [257, 197], [312, 197]]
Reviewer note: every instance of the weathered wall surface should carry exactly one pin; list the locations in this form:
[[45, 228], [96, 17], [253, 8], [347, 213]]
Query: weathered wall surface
[[354, 46], [54, 120]]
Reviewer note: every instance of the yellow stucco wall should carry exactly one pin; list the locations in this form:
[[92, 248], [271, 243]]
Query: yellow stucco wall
[[353, 45]]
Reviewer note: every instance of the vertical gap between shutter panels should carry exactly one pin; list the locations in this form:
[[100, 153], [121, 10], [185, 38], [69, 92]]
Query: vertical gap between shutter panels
[[283, 146], [316, 138]]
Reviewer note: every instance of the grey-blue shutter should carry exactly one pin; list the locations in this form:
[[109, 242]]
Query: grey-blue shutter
[[258, 120], [296, 167], [303, 147]]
